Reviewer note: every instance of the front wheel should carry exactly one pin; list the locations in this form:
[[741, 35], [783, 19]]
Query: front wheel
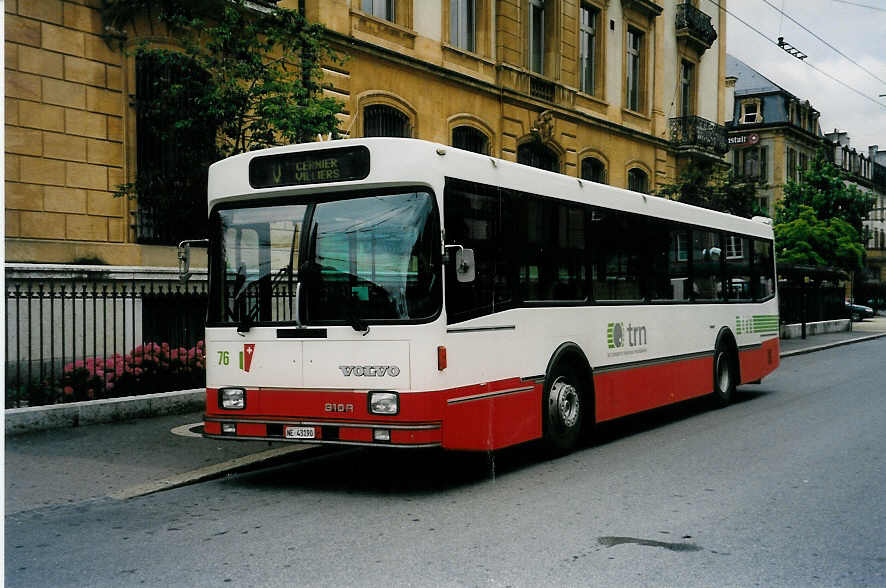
[[563, 407]]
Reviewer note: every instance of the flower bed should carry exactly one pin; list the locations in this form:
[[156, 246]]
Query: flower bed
[[149, 368]]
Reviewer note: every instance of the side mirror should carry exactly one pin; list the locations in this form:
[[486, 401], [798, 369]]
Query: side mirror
[[184, 257], [465, 268]]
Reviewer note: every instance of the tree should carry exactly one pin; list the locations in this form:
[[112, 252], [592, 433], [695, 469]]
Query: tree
[[717, 190], [822, 188], [239, 79], [808, 240], [820, 219]]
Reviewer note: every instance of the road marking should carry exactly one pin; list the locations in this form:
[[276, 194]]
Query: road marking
[[188, 430], [208, 472]]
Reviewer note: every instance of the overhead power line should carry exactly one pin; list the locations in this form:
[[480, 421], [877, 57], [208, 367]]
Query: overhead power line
[[846, 57], [862, 5], [827, 75]]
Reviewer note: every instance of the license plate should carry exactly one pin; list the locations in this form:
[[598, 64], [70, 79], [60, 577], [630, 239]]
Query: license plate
[[300, 433]]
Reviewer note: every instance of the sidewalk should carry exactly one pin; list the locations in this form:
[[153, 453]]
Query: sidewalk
[[144, 455], [123, 460], [866, 329]]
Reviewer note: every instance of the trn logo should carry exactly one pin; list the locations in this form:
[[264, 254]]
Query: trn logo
[[617, 333]]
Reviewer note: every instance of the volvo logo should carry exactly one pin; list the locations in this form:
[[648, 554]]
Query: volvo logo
[[378, 371]]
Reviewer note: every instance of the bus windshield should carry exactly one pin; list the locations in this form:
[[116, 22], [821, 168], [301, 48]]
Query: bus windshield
[[353, 260]]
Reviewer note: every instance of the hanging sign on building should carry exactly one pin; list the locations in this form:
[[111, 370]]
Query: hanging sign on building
[[745, 140]]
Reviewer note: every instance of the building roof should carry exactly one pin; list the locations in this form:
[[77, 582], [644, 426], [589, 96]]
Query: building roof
[[774, 99], [749, 80]]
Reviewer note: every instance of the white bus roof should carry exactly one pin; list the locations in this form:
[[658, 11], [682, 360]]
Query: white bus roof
[[414, 162]]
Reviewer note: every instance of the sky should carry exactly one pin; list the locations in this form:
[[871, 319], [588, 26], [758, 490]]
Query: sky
[[857, 31]]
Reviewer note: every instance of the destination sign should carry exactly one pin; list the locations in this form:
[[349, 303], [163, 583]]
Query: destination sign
[[309, 167]]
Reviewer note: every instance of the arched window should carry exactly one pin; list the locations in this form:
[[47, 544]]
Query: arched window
[[593, 169], [638, 181], [381, 120], [470, 139], [537, 155]]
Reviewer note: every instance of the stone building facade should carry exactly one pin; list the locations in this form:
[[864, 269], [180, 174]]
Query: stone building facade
[[626, 92], [773, 134], [867, 171], [66, 111]]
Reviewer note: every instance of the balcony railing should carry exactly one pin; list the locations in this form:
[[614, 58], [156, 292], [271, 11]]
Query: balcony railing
[[694, 132], [695, 26], [543, 89]]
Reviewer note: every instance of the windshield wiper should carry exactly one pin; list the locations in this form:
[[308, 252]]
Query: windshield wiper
[[244, 315], [242, 287], [357, 323]]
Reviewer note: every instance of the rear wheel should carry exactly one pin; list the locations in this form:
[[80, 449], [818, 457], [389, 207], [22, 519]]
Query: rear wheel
[[725, 376], [563, 407]]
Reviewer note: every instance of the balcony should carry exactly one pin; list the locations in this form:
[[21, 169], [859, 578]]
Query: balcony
[[694, 28], [693, 134]]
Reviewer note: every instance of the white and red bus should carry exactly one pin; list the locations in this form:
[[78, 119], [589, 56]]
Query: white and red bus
[[404, 293]]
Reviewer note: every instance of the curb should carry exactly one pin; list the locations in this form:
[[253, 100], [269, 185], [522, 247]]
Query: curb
[[830, 345], [108, 410], [215, 471]]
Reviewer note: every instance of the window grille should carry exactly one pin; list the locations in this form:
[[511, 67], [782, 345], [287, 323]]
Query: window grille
[[470, 139], [638, 181], [380, 120], [536, 155], [593, 169]]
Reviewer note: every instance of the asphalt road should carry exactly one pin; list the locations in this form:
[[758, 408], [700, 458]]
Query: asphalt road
[[783, 488]]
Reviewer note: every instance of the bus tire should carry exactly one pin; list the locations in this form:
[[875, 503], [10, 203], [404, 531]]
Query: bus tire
[[725, 372], [564, 405]]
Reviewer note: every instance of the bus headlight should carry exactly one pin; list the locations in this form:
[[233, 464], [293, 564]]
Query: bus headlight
[[384, 403], [232, 398]]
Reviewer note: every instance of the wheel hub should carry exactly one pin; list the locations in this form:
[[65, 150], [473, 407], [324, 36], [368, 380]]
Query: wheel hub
[[564, 403]]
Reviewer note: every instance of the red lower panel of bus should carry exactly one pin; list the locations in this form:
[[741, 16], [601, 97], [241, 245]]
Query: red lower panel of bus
[[756, 363], [479, 417], [623, 392], [629, 391]]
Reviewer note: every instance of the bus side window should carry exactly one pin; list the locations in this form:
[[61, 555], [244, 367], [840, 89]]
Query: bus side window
[[471, 217], [738, 268], [707, 254], [551, 250], [763, 272], [619, 252], [669, 257]]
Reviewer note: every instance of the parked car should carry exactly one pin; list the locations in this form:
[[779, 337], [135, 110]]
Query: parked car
[[858, 312]]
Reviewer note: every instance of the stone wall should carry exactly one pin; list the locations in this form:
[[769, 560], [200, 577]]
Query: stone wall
[[64, 130]]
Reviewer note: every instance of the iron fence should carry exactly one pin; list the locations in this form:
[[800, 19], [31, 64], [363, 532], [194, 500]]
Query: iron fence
[[811, 303], [68, 340]]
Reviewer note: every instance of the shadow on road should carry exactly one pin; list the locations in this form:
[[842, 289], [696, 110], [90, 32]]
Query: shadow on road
[[421, 471]]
